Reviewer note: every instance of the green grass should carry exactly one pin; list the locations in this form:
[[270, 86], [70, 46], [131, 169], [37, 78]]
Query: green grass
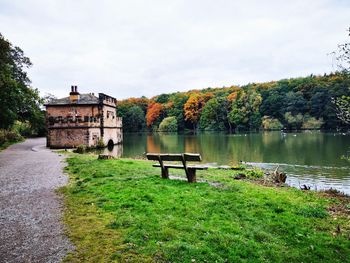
[[122, 211]]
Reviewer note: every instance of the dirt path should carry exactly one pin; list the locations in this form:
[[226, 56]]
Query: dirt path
[[30, 211]]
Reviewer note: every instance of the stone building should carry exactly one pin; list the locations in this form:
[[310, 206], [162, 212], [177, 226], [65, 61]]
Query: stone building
[[82, 119]]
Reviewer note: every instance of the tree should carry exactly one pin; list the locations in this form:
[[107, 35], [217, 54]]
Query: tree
[[194, 106], [176, 108], [168, 124], [343, 103], [18, 101], [293, 121], [162, 98], [134, 119], [295, 103], [153, 113], [192, 109], [48, 98], [269, 123], [214, 114], [343, 108], [318, 102], [342, 56], [272, 103], [245, 110]]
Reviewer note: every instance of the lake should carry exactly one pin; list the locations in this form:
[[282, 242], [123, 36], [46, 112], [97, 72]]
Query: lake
[[311, 157]]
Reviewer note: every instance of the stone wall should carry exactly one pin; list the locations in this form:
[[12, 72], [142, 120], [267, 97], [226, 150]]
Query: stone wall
[[114, 134], [67, 138], [94, 136], [109, 115]]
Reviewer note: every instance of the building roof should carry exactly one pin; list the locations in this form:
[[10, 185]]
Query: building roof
[[83, 99]]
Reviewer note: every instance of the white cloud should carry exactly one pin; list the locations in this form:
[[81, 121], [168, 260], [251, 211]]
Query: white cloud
[[134, 48]]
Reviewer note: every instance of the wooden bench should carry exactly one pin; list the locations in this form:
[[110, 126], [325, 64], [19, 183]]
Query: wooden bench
[[190, 170]]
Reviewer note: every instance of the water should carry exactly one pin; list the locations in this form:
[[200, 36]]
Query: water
[[311, 158]]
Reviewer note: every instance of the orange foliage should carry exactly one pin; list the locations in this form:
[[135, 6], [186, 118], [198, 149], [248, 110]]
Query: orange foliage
[[194, 106], [233, 95], [153, 112], [152, 146], [169, 105], [207, 96]]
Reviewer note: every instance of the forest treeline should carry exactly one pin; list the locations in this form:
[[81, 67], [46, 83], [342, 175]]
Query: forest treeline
[[20, 104], [296, 103]]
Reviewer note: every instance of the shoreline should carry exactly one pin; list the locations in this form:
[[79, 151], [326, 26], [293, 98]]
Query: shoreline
[[125, 211]]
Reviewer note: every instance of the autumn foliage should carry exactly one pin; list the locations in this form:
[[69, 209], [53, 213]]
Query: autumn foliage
[[307, 99], [192, 108], [154, 110]]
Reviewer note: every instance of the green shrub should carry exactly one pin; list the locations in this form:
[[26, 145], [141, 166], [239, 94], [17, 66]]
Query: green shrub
[[14, 136], [81, 148], [269, 123], [254, 173], [3, 138], [169, 124], [22, 128], [9, 136], [100, 144], [294, 121], [311, 123]]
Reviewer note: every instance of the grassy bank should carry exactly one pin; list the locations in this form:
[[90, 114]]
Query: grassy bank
[[121, 210], [6, 144], [13, 135]]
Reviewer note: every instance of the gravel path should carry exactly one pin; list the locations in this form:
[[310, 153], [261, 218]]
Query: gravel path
[[30, 210]]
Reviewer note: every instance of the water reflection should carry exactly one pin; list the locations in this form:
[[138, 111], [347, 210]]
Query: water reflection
[[307, 157], [113, 150]]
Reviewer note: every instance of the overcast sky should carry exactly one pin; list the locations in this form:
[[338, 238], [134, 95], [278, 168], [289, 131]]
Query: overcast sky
[[132, 48]]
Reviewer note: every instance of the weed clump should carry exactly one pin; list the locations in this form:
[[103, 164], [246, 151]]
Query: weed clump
[[82, 148], [313, 211], [254, 173], [100, 144]]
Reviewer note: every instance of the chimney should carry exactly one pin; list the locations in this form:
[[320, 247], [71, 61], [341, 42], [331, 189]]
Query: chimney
[[74, 94]]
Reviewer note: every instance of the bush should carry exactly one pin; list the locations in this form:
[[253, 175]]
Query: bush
[[22, 128], [169, 124], [14, 136], [294, 121], [311, 123], [100, 144], [81, 148], [269, 123], [9, 136], [255, 173], [2, 137]]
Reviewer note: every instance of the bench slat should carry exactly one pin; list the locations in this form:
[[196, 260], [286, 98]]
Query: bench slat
[[189, 157], [192, 157], [164, 156], [171, 157], [179, 166], [152, 157]]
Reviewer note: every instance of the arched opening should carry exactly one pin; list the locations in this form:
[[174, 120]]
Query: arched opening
[[110, 144]]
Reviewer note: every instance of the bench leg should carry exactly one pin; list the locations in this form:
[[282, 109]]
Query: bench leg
[[192, 176], [165, 173]]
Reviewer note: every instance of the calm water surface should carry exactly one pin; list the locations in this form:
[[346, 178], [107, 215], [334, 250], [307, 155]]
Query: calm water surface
[[311, 158]]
